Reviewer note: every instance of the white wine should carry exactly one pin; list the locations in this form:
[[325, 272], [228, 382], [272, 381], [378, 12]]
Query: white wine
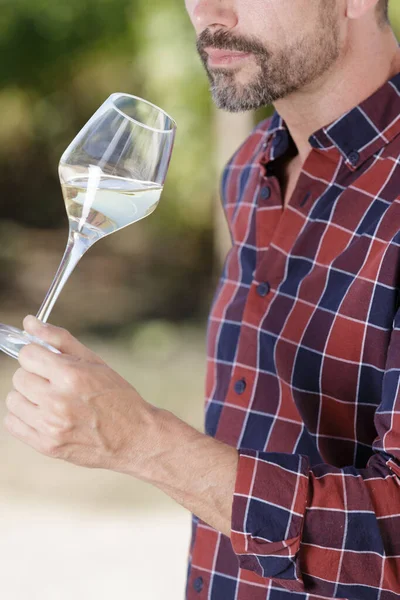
[[98, 204]]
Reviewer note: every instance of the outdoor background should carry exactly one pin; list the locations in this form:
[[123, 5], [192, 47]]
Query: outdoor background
[[139, 298]]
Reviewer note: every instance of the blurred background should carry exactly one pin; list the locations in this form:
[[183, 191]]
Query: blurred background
[[139, 298]]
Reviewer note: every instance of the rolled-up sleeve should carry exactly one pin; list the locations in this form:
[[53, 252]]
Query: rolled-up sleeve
[[271, 496], [325, 530]]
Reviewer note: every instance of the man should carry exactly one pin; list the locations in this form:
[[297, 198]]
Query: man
[[296, 486]]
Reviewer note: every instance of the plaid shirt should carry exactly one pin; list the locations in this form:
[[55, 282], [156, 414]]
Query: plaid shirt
[[304, 367]]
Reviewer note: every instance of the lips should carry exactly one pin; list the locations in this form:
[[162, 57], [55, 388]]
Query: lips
[[224, 56]]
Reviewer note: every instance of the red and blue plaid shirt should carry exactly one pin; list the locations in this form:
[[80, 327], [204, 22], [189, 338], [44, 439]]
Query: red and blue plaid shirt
[[304, 367]]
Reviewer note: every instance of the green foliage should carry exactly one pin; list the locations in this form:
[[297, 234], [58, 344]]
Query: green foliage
[[394, 13], [61, 60], [42, 40]]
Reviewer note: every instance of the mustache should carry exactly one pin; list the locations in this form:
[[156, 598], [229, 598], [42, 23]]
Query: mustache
[[224, 40]]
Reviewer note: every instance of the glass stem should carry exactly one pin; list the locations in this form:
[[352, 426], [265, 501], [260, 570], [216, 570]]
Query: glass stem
[[76, 247]]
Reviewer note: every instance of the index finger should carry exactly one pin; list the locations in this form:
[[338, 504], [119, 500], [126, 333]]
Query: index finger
[[40, 361]]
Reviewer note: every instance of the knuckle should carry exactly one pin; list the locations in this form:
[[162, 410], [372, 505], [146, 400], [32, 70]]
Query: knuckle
[[10, 400], [54, 429], [51, 448], [61, 408], [64, 335], [24, 351], [65, 426], [57, 426], [28, 352], [8, 423], [49, 428], [18, 377], [71, 376]]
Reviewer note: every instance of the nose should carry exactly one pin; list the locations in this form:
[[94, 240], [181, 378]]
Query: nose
[[219, 14]]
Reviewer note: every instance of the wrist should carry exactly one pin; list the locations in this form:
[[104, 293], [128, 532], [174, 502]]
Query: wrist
[[192, 468], [171, 440], [144, 445]]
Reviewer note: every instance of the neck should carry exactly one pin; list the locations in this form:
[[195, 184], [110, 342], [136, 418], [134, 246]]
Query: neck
[[359, 72]]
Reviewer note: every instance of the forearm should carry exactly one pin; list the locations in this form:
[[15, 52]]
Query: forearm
[[195, 470]]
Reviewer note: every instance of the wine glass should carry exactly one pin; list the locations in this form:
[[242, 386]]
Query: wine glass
[[112, 175]]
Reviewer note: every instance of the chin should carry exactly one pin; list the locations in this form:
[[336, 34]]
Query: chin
[[247, 76]]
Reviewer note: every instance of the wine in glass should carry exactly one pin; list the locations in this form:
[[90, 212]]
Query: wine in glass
[[112, 175]]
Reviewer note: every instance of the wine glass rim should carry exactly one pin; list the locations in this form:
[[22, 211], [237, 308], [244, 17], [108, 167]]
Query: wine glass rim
[[121, 112]]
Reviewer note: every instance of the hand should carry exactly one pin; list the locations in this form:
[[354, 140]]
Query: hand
[[72, 406]]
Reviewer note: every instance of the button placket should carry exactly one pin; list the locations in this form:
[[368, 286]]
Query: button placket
[[263, 289], [305, 199], [240, 386], [198, 584], [354, 157], [265, 192]]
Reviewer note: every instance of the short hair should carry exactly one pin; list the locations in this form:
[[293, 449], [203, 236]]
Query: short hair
[[383, 11]]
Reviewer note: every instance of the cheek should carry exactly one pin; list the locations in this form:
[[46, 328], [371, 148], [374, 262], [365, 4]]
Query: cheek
[[259, 19], [190, 5], [271, 21]]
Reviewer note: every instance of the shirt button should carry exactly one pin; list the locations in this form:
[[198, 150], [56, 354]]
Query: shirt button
[[198, 584], [265, 193], [263, 289], [240, 386], [354, 157], [305, 199]]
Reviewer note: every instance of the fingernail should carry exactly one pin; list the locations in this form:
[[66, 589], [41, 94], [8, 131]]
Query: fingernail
[[38, 321]]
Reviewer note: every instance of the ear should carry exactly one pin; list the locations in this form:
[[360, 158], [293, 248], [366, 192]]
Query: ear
[[359, 8]]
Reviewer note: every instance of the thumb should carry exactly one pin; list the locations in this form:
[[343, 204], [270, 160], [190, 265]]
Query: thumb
[[59, 338]]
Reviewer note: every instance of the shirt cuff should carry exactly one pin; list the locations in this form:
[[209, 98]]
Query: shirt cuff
[[269, 505]]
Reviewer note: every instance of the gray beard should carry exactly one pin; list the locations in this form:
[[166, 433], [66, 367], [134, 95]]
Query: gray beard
[[280, 73]]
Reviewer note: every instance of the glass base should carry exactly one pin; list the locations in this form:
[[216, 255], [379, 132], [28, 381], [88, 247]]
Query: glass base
[[13, 339]]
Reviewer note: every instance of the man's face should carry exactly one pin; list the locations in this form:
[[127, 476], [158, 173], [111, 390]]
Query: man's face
[[256, 52]]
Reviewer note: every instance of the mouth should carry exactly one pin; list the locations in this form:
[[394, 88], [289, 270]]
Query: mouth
[[224, 58]]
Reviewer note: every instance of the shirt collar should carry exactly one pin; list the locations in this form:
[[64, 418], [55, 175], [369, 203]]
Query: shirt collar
[[357, 134]]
